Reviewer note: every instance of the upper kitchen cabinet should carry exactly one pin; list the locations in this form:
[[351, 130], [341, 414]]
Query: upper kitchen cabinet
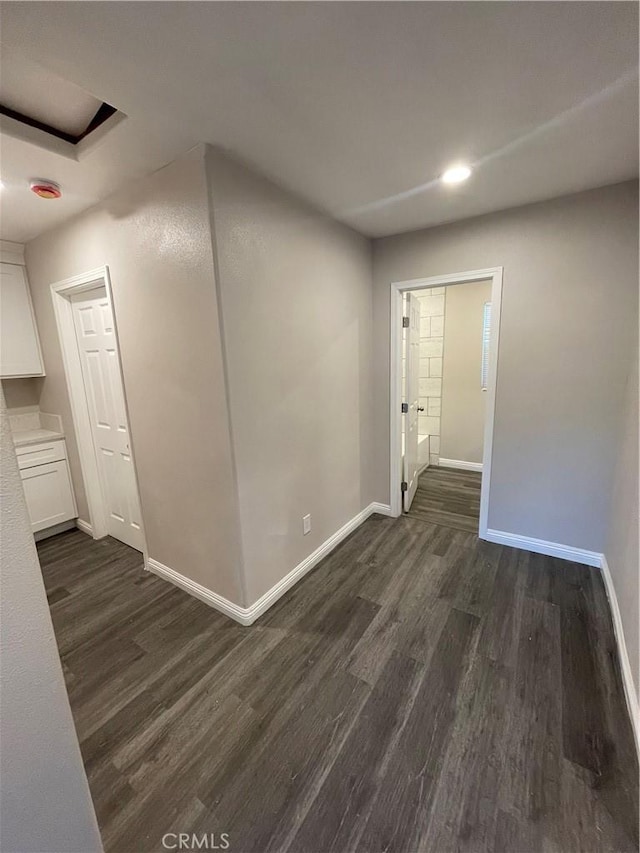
[[20, 353]]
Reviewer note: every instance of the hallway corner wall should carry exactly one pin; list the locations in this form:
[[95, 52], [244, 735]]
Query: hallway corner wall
[[295, 293], [155, 236]]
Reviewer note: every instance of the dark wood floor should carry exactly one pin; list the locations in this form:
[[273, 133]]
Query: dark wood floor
[[448, 496], [421, 690]]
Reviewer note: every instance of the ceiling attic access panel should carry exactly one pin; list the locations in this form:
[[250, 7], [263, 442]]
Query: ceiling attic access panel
[[44, 109]]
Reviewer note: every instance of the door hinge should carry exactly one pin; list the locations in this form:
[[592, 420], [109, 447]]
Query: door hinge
[[403, 486], [405, 322], [405, 408]]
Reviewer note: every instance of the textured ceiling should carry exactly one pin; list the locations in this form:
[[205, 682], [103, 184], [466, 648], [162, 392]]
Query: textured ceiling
[[357, 107], [28, 88]]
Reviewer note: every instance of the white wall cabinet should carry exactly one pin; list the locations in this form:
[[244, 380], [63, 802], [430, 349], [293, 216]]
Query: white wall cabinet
[[47, 484], [20, 353]]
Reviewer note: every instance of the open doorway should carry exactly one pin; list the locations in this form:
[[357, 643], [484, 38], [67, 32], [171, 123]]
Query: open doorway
[[89, 343], [443, 375]]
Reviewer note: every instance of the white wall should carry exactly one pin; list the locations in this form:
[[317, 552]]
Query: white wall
[[45, 803], [570, 309], [463, 400], [295, 292], [155, 236], [624, 522]]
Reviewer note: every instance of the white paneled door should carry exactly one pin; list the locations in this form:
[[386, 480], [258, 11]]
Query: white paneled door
[[410, 473], [98, 349]]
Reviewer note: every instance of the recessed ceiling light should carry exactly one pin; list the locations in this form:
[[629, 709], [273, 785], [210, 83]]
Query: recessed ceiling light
[[456, 174]]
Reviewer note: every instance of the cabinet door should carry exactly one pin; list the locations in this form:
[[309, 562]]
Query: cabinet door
[[19, 345], [47, 489]]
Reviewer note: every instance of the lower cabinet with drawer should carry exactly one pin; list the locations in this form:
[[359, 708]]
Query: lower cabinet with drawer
[[47, 484]]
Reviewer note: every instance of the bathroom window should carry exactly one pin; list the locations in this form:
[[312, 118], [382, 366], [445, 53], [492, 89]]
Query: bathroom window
[[486, 337]]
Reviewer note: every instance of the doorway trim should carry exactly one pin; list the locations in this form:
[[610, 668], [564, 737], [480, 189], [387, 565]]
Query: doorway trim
[[61, 295], [397, 288]]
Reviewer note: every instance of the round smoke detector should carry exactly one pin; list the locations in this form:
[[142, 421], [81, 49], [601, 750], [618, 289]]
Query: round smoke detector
[[45, 189]]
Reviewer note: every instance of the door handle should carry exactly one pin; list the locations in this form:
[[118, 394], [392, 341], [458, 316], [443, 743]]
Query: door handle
[[421, 408]]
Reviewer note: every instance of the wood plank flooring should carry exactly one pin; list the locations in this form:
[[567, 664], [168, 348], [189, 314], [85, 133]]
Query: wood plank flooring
[[420, 690], [449, 497]]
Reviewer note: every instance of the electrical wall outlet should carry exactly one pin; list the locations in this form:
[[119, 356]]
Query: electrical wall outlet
[[306, 524]]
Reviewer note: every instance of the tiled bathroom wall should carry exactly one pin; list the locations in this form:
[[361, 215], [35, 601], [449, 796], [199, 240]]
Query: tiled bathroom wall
[[432, 309]]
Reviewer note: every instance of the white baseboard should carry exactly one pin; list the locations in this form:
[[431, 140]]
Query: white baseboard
[[240, 614], [84, 526], [541, 546], [381, 509], [248, 615], [279, 589], [623, 656], [459, 463]]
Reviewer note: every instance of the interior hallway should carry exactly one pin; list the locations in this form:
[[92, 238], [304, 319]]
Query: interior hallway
[[420, 689]]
